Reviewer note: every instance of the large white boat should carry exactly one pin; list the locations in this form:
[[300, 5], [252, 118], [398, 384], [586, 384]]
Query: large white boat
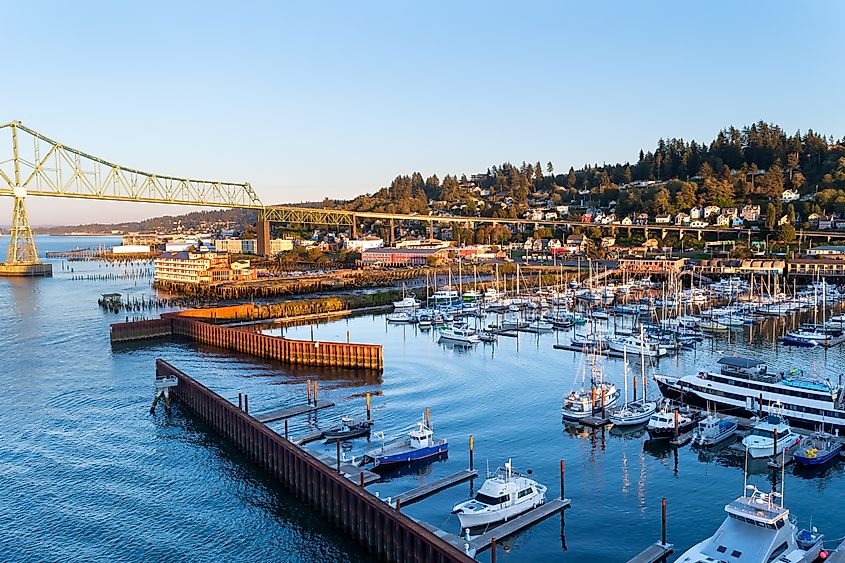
[[445, 296], [503, 495], [635, 345], [741, 384], [586, 402], [758, 528], [400, 317], [662, 424], [409, 302], [770, 437], [461, 335], [714, 429]]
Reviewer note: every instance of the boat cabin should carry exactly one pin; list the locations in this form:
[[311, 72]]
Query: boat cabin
[[421, 437], [742, 367]]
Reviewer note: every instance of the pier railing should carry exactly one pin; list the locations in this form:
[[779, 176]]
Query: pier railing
[[385, 532]]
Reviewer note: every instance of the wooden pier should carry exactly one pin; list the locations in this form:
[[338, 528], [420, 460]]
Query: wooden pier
[[388, 534], [511, 527], [837, 556], [287, 412], [349, 470], [308, 438], [429, 489], [653, 553], [595, 421]]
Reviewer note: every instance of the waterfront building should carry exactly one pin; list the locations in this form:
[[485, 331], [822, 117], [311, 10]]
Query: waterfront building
[[826, 250], [815, 267], [363, 244], [191, 267], [652, 265], [131, 249], [391, 256]]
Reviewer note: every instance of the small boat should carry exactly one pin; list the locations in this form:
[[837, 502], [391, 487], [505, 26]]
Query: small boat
[[461, 335], [817, 449], [503, 495], [487, 336], [409, 302], [540, 325], [400, 318], [425, 320], [600, 314], [759, 527], [661, 425], [347, 430], [634, 413], [419, 444], [800, 342], [713, 430], [761, 441]]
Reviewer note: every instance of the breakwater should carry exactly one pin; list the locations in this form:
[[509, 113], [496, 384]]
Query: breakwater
[[194, 325], [385, 532]]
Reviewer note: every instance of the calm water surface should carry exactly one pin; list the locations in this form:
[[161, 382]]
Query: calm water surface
[[89, 474]]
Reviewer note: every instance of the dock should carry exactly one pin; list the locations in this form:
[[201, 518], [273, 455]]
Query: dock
[[280, 414], [595, 421], [429, 489], [653, 553], [308, 438], [347, 469], [682, 439], [837, 556], [511, 527]]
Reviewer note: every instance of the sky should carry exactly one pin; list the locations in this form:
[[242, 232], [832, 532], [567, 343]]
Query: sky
[[309, 100]]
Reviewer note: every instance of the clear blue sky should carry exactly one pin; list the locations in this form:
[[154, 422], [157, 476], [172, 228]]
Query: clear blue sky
[[313, 99]]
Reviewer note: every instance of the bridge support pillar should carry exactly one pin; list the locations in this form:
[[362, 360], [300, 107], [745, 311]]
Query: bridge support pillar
[[262, 237], [430, 229], [392, 235], [681, 234], [645, 233], [699, 234], [663, 233], [354, 227]]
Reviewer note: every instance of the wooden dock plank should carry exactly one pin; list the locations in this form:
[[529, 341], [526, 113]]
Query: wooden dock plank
[[429, 489], [279, 414], [308, 438], [519, 523], [351, 472], [653, 553], [837, 556]]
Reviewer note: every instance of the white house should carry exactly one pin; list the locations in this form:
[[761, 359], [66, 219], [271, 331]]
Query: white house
[[682, 219], [699, 224], [663, 219], [723, 221], [711, 210], [750, 212], [696, 213], [789, 195]]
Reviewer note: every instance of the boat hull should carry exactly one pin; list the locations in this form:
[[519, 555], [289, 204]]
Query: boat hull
[[801, 459], [392, 460], [479, 519], [668, 432]]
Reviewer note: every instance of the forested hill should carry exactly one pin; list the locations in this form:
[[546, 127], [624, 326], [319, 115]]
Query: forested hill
[[739, 165]]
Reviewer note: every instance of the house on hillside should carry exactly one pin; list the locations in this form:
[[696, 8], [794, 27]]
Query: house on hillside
[[642, 219], [682, 219], [711, 210], [663, 219], [696, 213], [750, 213], [789, 195]]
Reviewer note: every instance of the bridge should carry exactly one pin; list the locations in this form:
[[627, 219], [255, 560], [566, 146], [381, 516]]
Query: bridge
[[32, 164]]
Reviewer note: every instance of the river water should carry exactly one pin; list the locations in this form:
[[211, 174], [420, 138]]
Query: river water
[[87, 473]]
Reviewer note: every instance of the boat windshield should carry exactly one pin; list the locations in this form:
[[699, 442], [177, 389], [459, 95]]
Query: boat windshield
[[491, 501], [763, 432]]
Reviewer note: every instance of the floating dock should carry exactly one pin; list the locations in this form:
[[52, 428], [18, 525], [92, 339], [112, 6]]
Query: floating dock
[[308, 438], [653, 553], [595, 421], [429, 489], [348, 470], [280, 414], [519, 523]]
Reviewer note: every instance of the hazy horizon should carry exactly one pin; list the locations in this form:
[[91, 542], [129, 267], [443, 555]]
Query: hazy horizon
[[334, 100]]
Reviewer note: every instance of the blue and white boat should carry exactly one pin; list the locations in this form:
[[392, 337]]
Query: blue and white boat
[[818, 449], [418, 445]]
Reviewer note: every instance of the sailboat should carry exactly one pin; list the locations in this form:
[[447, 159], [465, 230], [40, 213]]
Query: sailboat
[[636, 412], [583, 403]]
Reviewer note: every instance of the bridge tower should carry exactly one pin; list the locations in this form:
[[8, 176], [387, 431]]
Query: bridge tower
[[22, 258]]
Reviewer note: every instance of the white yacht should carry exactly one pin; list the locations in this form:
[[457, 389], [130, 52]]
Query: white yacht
[[758, 529], [400, 317], [461, 335], [804, 400], [631, 414], [761, 441], [502, 496], [661, 425], [409, 302], [635, 345]]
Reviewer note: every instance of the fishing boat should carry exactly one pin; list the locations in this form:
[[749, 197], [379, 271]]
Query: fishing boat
[[712, 430], [503, 495], [347, 430], [770, 437], [661, 425], [419, 444], [400, 317], [759, 528], [800, 342], [460, 334], [586, 402], [817, 449]]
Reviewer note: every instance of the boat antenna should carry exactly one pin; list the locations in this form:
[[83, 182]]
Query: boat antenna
[[782, 474]]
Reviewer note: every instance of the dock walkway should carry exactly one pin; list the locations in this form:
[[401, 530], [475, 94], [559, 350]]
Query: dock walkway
[[653, 553], [429, 489], [287, 412], [511, 527], [348, 470]]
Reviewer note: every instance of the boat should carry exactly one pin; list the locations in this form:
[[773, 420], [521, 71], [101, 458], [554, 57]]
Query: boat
[[713, 429], [760, 528], [503, 495], [817, 449], [400, 317], [409, 302], [807, 401], [419, 444], [487, 336], [425, 319], [446, 296], [635, 412], [539, 325], [770, 437], [348, 429], [800, 342], [636, 345], [819, 336], [459, 334], [661, 425]]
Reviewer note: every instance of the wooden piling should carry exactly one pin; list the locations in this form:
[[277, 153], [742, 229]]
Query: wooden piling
[[663, 520], [315, 391], [562, 481], [471, 440], [368, 406], [760, 408], [338, 454], [240, 401], [635, 389], [309, 391], [428, 417], [493, 550], [246, 403], [775, 445], [286, 430], [676, 422]]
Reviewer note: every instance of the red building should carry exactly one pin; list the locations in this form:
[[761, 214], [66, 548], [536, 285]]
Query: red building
[[389, 256]]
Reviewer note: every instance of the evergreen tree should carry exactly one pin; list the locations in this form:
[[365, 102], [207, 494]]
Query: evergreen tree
[[771, 216], [571, 178]]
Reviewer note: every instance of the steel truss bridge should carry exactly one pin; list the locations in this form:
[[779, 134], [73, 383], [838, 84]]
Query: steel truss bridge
[[32, 164]]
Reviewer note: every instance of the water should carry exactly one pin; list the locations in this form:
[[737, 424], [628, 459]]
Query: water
[[92, 475]]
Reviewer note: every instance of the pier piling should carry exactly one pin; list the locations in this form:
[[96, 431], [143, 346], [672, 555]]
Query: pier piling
[[337, 442], [562, 481], [246, 403], [286, 429], [676, 423], [240, 401], [309, 391], [315, 392], [663, 521], [471, 444], [493, 550], [775, 445], [368, 407], [428, 417]]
